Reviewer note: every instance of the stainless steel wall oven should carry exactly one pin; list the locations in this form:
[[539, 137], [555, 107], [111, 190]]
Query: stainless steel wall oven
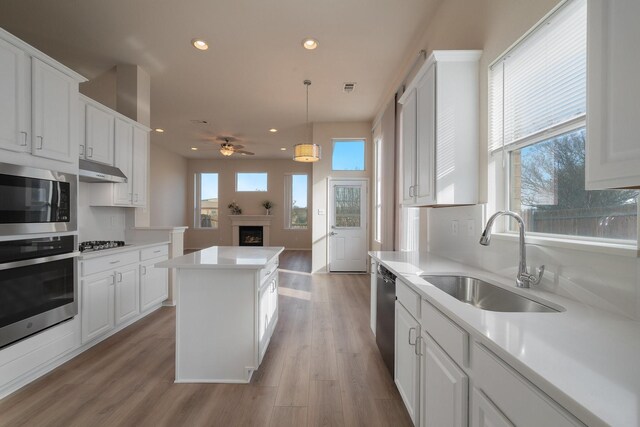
[[37, 285], [36, 200]]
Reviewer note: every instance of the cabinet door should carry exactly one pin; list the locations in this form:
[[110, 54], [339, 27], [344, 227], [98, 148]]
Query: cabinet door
[[140, 166], [409, 149], [127, 305], [485, 414], [97, 306], [153, 284], [99, 138], [273, 304], [123, 193], [425, 138], [613, 112], [54, 112], [14, 99], [263, 319], [444, 388], [407, 361]]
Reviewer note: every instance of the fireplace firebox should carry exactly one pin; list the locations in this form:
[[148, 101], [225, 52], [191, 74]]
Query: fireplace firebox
[[251, 235]]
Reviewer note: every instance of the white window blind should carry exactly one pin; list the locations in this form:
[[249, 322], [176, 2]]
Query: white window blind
[[540, 82]]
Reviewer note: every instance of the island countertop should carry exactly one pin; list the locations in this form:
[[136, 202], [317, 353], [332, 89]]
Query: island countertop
[[225, 257]]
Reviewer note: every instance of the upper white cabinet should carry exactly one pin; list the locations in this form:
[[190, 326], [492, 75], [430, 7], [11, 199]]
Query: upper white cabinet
[[140, 166], [98, 143], [440, 131], [613, 111], [123, 192], [15, 117]]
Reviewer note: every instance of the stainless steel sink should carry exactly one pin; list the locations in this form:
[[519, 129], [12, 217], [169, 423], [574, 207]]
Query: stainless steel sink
[[484, 295]]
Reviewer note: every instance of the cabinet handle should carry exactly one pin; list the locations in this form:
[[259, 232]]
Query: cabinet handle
[[114, 262], [415, 190], [41, 139], [158, 251], [144, 270], [119, 277], [411, 193], [82, 149], [416, 340], [24, 140], [418, 347], [89, 151]]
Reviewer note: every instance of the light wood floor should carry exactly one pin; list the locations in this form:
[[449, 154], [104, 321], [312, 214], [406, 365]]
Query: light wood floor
[[292, 260], [322, 368]]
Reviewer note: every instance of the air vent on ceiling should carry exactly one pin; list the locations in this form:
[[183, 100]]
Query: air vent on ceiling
[[349, 87], [199, 122]]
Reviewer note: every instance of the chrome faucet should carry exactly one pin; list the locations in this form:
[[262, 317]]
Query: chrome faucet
[[524, 279]]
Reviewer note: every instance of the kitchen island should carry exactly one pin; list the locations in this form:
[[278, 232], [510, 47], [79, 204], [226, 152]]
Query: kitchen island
[[226, 312]]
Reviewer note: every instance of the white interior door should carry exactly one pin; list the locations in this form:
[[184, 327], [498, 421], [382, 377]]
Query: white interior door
[[348, 225]]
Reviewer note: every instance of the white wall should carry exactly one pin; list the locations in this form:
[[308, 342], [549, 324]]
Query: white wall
[[323, 135], [168, 188], [249, 202], [603, 280]]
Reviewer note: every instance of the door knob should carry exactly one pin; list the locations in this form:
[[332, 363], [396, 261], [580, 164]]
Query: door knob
[[333, 233]]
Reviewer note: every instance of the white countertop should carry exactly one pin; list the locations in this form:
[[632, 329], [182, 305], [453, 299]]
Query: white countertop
[[162, 228], [218, 257], [584, 358], [128, 247]]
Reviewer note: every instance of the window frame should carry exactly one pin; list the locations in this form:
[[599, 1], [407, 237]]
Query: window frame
[[364, 154], [288, 200], [266, 190], [377, 190], [197, 200]]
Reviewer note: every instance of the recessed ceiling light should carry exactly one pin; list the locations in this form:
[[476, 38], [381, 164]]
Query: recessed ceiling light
[[283, 149], [200, 44], [194, 148], [159, 130], [273, 130], [309, 43]]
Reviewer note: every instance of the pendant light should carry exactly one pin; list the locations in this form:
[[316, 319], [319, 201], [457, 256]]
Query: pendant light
[[306, 152]]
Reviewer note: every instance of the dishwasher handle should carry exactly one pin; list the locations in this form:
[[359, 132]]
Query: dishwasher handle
[[386, 275]]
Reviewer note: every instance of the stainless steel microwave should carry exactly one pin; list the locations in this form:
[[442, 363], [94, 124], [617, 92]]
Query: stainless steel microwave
[[36, 200]]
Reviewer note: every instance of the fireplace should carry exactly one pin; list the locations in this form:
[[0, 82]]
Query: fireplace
[[251, 235]]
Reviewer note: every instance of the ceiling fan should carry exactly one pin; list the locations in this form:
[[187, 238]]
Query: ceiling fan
[[227, 148]]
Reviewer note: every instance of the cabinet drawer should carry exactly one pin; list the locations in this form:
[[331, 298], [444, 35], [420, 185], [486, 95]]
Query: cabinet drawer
[[268, 270], [108, 262], [451, 337], [519, 400], [408, 298], [154, 252]]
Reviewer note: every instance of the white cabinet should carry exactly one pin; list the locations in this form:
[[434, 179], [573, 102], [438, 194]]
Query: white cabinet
[[484, 413], [123, 192], [140, 166], [127, 305], [407, 360], [97, 305], [54, 112], [444, 388], [153, 284], [613, 112], [15, 127], [267, 312], [98, 143], [440, 131]]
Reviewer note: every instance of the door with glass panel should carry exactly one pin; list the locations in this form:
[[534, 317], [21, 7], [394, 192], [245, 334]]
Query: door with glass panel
[[348, 225]]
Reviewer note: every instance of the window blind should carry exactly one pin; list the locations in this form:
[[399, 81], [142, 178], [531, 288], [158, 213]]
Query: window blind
[[541, 81]]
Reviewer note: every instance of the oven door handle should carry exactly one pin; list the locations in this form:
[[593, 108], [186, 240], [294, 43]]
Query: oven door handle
[[35, 261]]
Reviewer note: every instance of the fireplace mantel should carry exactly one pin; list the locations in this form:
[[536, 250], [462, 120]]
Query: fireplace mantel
[[256, 220]]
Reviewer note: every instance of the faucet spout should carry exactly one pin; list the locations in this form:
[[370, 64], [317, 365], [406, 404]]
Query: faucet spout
[[524, 279]]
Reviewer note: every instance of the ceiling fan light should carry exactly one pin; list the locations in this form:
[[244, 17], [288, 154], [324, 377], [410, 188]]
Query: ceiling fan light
[[306, 153], [226, 151]]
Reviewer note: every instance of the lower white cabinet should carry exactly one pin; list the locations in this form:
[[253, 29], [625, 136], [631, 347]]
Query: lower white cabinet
[[126, 305], [267, 312], [154, 284], [444, 388], [484, 413], [98, 293], [407, 360]]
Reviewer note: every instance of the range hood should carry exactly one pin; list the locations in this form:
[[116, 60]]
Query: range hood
[[98, 172]]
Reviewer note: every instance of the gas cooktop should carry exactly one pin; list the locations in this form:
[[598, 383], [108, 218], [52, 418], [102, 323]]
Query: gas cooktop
[[97, 245]]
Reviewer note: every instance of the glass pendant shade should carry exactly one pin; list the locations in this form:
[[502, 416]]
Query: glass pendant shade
[[306, 152]]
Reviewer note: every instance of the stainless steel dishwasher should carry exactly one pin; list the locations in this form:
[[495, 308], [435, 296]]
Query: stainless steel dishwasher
[[385, 316]]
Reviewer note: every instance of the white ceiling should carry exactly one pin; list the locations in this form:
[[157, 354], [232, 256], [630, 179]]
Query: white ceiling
[[251, 78]]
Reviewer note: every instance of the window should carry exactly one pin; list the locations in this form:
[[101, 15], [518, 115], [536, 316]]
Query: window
[[537, 123], [251, 181], [348, 155], [296, 200], [206, 200], [377, 197]]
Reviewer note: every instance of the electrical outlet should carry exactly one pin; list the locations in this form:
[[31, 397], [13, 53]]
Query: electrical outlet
[[454, 227], [471, 228]]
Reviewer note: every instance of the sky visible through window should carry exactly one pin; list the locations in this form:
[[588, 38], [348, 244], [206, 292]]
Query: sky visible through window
[[299, 191], [209, 186], [348, 155], [251, 182]]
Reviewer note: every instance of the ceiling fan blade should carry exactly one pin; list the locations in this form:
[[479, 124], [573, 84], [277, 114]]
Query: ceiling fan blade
[[248, 153], [237, 147]]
